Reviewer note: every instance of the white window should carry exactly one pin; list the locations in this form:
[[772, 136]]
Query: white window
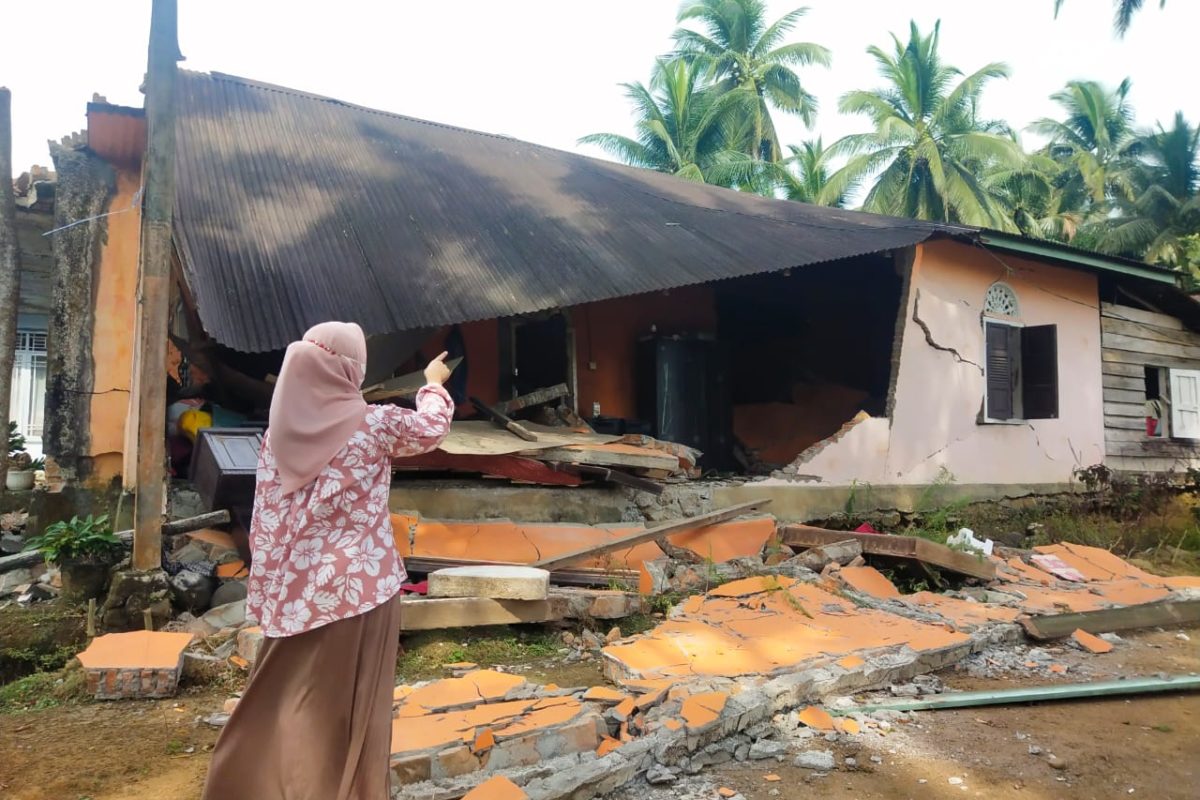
[[1185, 403], [28, 399]]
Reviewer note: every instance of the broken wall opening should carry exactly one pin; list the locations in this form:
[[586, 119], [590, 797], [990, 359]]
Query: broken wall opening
[[811, 348]]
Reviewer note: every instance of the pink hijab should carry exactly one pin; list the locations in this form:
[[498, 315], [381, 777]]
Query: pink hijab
[[317, 405]]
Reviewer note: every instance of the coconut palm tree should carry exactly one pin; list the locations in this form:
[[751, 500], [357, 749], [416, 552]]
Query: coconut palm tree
[[805, 174], [740, 51], [1165, 205], [1123, 11], [682, 129], [1089, 143], [929, 146], [1033, 200]]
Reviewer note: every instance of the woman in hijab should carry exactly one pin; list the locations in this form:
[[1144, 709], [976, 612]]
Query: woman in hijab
[[315, 720]]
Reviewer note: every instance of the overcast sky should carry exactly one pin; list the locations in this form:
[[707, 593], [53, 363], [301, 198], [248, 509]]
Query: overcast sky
[[547, 70]]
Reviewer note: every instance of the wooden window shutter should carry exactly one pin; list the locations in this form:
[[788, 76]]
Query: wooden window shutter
[[1002, 344], [1039, 372], [1185, 404]]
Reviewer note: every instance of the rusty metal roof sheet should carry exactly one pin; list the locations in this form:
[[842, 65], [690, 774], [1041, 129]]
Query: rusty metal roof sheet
[[292, 209]]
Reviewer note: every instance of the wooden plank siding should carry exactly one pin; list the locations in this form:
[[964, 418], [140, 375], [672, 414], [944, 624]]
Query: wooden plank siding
[[1131, 340]]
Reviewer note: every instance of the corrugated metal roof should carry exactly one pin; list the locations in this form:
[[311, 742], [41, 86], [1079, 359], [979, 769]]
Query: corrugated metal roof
[[292, 209]]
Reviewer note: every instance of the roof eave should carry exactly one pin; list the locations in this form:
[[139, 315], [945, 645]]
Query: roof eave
[[1078, 258]]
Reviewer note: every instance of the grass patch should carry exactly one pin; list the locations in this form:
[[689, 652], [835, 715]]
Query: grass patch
[[43, 690], [426, 652], [43, 637]]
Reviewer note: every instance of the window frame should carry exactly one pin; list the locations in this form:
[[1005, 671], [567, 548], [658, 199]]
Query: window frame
[[1173, 404], [1018, 400]]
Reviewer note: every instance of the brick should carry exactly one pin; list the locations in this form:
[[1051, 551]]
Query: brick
[[412, 769], [581, 736], [249, 642], [454, 762], [1090, 643], [613, 605]]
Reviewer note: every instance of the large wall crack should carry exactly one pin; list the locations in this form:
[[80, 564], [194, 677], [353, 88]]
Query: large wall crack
[[929, 336]]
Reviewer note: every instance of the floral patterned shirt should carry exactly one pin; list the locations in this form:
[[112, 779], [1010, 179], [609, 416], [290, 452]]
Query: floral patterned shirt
[[326, 552]]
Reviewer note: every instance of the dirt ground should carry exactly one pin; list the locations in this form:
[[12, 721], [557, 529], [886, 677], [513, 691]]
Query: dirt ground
[[157, 750], [1141, 747]]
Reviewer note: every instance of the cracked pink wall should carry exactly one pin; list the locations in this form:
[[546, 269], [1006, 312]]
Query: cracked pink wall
[[938, 395]]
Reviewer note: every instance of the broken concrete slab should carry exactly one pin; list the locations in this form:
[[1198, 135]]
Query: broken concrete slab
[[495, 582], [836, 552], [139, 664], [229, 615], [765, 626]]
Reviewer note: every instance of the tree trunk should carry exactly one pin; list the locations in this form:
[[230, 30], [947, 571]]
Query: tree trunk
[[10, 267]]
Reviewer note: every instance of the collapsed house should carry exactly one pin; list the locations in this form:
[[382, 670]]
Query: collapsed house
[[805, 352]]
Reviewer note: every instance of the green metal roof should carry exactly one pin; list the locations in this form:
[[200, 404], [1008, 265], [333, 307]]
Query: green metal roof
[[1079, 258]]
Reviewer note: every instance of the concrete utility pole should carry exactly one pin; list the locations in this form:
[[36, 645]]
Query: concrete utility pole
[[158, 175], [10, 268]]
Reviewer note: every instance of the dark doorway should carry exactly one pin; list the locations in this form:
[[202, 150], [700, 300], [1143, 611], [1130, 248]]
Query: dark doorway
[[541, 348]]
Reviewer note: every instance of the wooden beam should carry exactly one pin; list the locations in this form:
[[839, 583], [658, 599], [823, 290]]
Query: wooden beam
[[503, 421], [174, 528], [154, 289], [564, 576], [613, 476], [423, 614], [618, 455], [514, 468], [1111, 620], [650, 534], [403, 387], [539, 398], [882, 544], [10, 268]]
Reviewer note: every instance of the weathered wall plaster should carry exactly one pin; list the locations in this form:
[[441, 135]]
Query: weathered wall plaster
[[85, 187], [940, 386]]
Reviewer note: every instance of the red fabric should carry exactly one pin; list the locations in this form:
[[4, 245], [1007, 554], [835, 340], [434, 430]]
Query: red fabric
[[866, 528], [416, 588]]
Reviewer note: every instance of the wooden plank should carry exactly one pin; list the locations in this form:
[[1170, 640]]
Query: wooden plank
[[613, 476], [881, 544], [484, 438], [1117, 311], [1133, 371], [1112, 620], [539, 398], [402, 387], [504, 421], [1153, 333], [1140, 464], [512, 467], [1125, 408], [1137, 384], [1117, 435], [468, 612], [174, 528], [954, 560], [1135, 397], [650, 534], [1142, 360], [608, 455], [1125, 423], [1129, 344]]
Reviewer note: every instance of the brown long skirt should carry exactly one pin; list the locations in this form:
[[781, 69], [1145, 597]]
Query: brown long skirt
[[315, 721]]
